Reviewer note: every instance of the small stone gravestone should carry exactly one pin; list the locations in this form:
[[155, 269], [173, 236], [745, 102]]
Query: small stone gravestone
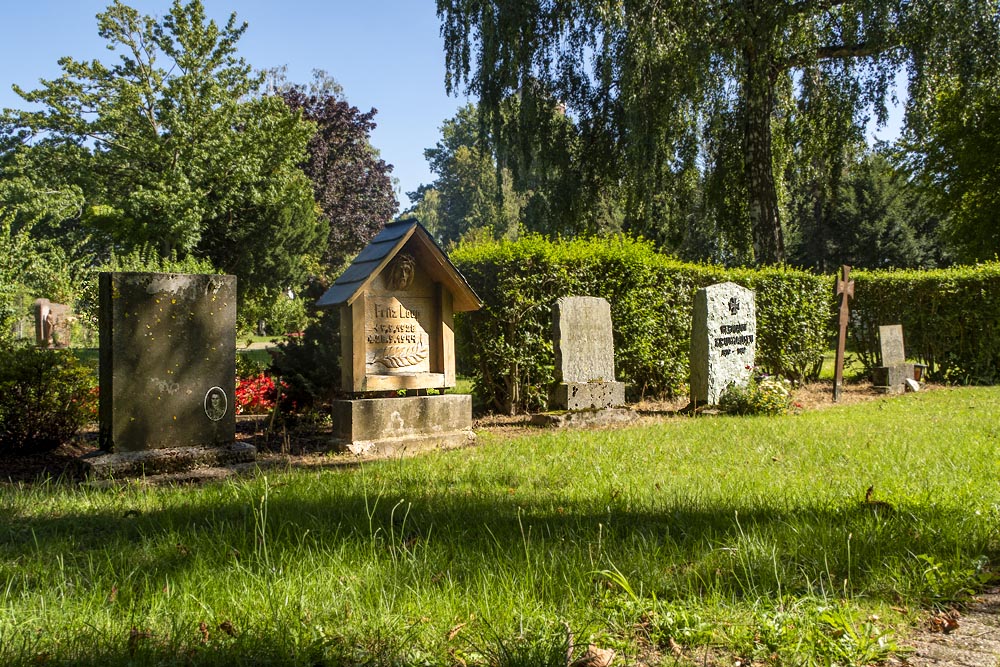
[[890, 339], [52, 324], [723, 341], [167, 373], [892, 375], [585, 355], [397, 301]]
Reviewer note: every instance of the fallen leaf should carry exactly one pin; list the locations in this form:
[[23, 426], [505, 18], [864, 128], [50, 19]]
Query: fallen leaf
[[595, 657], [455, 630]]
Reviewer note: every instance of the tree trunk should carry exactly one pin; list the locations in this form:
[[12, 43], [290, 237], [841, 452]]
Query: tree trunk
[[758, 95]]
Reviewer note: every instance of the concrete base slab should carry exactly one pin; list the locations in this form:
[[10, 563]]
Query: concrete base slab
[[168, 460], [578, 418], [892, 379], [587, 395], [396, 426]]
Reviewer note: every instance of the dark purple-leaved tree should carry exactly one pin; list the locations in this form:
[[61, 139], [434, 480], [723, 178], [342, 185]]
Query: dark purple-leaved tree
[[351, 183]]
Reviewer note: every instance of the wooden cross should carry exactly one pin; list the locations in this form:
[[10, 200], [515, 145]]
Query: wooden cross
[[845, 290]]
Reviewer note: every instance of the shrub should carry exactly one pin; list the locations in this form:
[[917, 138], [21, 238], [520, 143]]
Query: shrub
[[763, 395], [255, 394], [309, 366], [508, 343], [46, 396]]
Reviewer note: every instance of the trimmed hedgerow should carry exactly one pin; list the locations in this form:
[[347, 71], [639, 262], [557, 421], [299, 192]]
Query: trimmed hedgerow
[[950, 318], [508, 344]]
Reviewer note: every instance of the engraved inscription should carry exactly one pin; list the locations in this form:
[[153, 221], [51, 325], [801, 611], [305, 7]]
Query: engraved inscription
[[396, 336]]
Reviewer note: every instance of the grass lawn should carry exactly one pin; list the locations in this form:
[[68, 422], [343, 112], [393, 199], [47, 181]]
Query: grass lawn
[[714, 538]]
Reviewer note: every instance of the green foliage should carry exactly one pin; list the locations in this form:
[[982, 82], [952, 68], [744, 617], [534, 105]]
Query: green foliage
[[280, 314], [509, 342], [309, 366], [958, 165], [870, 215], [762, 395], [744, 89], [30, 268], [171, 147], [950, 318], [145, 259], [46, 396]]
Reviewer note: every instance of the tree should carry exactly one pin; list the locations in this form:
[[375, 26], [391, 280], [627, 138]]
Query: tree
[[872, 217], [467, 196], [172, 147], [351, 184], [649, 81], [957, 162]]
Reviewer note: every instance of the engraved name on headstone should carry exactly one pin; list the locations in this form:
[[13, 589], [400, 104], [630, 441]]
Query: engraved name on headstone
[[723, 340]]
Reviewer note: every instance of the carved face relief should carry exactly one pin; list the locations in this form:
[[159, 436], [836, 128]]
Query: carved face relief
[[401, 272]]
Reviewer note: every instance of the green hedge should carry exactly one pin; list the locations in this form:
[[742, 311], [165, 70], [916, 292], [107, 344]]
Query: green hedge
[[508, 344], [950, 318]]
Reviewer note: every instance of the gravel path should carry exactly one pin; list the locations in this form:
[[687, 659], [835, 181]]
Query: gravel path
[[975, 642]]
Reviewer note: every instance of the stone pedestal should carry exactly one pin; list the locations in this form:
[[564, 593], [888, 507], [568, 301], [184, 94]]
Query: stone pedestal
[[587, 395], [394, 426], [164, 461], [892, 379], [584, 418]]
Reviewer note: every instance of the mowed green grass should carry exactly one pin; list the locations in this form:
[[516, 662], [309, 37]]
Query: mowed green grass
[[724, 537]]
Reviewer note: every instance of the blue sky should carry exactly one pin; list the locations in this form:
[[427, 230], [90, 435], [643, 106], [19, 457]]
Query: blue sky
[[387, 54]]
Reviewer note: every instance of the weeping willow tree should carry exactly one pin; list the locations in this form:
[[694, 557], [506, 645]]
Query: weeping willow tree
[[728, 93]]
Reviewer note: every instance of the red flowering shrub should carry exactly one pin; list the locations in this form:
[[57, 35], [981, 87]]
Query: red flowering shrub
[[255, 394]]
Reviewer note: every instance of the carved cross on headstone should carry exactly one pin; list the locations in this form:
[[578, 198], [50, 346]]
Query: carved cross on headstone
[[845, 290]]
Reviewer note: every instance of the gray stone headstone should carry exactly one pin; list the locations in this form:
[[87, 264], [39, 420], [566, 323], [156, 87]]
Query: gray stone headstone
[[890, 339], [168, 360], [585, 355], [723, 340], [584, 345]]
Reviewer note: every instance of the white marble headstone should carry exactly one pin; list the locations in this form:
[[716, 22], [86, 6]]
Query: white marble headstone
[[723, 340]]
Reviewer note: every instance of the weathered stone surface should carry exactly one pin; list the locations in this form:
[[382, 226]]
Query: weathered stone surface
[[723, 340], [584, 418], [53, 324], [583, 340], [386, 426], [164, 461], [892, 379], [168, 360], [587, 395], [911, 385], [585, 355], [890, 338]]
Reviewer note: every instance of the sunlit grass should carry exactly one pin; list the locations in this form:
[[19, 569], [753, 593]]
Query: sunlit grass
[[746, 536]]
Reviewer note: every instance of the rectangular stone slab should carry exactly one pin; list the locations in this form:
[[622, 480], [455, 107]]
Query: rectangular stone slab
[[723, 340], [168, 360], [890, 338], [583, 340]]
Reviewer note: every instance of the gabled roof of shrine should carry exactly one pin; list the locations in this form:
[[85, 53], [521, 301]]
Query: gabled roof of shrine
[[381, 250]]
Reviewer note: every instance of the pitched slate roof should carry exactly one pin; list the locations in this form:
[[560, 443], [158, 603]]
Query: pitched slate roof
[[381, 249]]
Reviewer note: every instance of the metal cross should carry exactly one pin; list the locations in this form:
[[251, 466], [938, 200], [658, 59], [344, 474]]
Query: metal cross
[[845, 290]]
